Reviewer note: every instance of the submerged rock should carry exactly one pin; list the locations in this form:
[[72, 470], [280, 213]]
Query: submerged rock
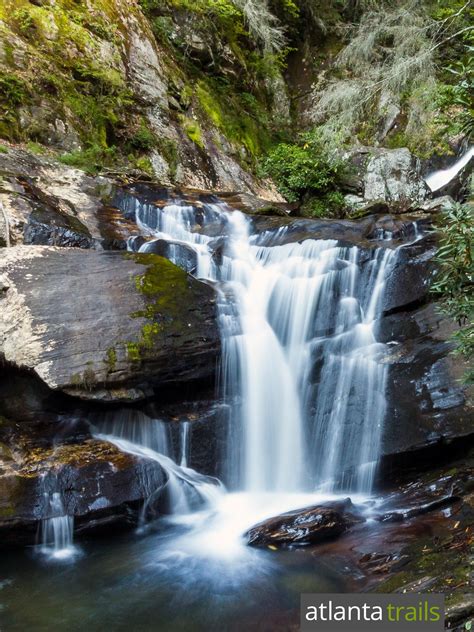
[[105, 325], [305, 526]]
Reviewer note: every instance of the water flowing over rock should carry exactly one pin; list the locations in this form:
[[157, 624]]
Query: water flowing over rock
[[292, 317], [305, 295], [59, 473], [452, 180]]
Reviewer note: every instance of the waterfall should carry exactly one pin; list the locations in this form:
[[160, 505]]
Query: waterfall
[[301, 367], [58, 528], [441, 178], [134, 432], [184, 443]]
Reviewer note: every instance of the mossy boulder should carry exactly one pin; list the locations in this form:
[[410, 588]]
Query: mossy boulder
[[106, 325]]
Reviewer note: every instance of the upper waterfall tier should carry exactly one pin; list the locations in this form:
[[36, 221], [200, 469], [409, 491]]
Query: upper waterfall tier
[[301, 366]]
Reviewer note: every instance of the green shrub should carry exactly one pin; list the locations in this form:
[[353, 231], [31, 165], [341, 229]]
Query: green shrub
[[330, 205], [302, 169], [455, 276]]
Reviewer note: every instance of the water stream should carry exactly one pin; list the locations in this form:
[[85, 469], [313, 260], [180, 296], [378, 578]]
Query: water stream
[[56, 532]]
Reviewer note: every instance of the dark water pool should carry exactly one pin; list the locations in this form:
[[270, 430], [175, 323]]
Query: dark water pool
[[194, 574]]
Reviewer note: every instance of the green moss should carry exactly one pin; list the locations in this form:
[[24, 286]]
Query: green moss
[[242, 120], [169, 150], [3, 149], [133, 351], [92, 160], [193, 131], [36, 148], [164, 286], [144, 164], [111, 359]]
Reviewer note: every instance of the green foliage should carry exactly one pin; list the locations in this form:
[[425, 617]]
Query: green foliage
[[454, 281], [24, 21], [463, 90], [142, 139], [3, 149], [301, 169], [92, 160], [144, 164], [332, 205], [14, 91]]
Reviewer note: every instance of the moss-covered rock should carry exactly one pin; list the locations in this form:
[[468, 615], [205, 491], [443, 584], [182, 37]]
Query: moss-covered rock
[[106, 325]]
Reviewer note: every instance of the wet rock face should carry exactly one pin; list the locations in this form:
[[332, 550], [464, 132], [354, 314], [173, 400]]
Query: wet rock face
[[105, 325], [305, 526], [427, 404], [410, 279], [184, 256], [98, 483]]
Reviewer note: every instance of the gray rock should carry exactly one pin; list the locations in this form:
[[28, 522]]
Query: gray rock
[[394, 175], [79, 320], [442, 203], [427, 403]]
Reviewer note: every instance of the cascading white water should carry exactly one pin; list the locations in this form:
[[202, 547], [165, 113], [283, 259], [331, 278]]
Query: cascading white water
[[57, 530], [284, 310], [184, 443], [441, 178], [134, 432]]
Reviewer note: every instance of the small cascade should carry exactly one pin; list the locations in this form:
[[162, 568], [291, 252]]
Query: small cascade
[[135, 433], [184, 443], [302, 370], [57, 529], [443, 177], [350, 395]]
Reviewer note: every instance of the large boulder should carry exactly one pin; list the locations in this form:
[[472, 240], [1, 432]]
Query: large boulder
[[105, 325], [394, 175], [47, 203]]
